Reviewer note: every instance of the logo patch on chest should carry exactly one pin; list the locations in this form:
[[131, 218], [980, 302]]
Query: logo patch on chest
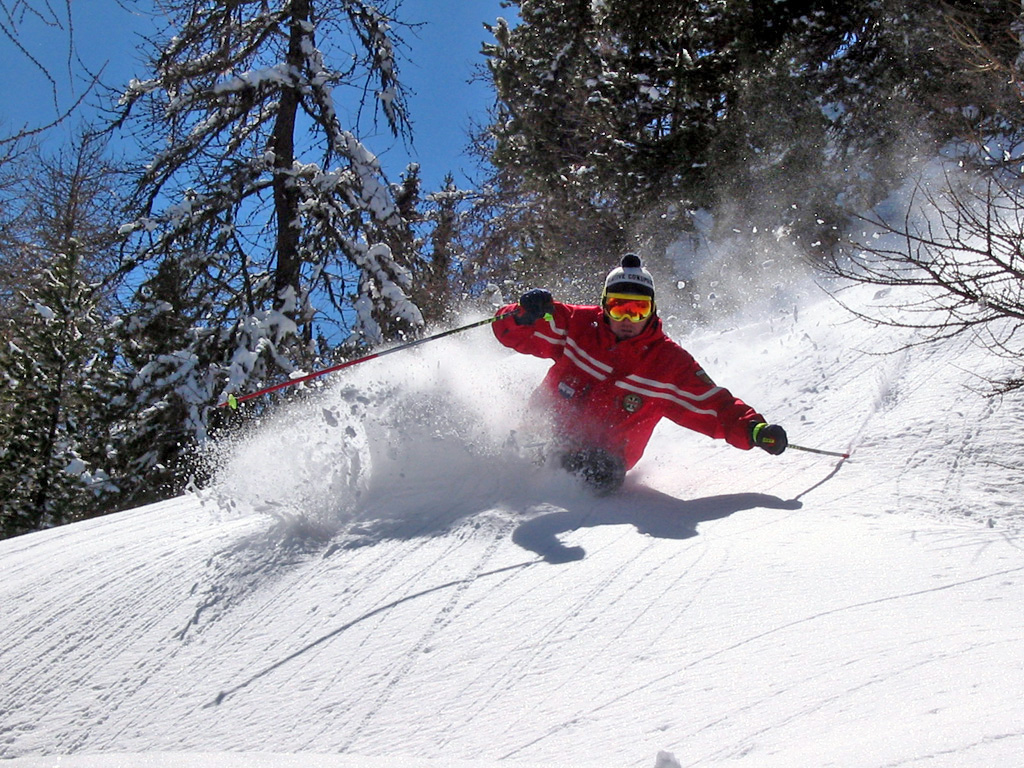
[[631, 403]]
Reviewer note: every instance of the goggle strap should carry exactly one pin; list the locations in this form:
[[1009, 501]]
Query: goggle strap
[[627, 297]]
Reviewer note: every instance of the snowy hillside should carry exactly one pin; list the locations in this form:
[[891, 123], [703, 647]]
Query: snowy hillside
[[375, 580]]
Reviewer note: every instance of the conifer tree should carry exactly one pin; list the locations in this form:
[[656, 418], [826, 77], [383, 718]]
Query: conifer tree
[[784, 116], [445, 277], [57, 395], [265, 231], [62, 380]]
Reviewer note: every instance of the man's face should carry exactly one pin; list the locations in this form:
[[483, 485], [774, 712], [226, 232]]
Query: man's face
[[627, 329], [627, 313]]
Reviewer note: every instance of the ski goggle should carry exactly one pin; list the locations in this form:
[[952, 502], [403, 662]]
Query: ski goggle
[[627, 306]]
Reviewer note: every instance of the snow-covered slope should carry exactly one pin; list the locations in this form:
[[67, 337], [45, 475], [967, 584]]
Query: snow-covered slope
[[375, 580]]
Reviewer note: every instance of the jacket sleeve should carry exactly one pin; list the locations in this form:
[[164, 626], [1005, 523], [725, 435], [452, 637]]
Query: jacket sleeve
[[545, 338], [694, 401]]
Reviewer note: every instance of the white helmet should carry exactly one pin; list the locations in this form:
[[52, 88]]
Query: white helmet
[[630, 277]]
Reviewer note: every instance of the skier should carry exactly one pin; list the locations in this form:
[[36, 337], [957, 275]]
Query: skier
[[617, 374]]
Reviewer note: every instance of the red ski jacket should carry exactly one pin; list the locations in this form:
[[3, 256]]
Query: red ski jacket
[[610, 394]]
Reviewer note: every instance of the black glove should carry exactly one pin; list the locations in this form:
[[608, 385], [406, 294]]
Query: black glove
[[769, 437], [533, 305]]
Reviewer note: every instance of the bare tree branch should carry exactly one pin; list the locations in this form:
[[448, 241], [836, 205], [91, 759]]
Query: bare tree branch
[[961, 248], [14, 15]]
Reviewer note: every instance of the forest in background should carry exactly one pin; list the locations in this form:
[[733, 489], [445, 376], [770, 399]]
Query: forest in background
[[252, 233]]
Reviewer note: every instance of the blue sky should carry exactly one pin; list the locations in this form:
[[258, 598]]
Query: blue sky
[[441, 56]]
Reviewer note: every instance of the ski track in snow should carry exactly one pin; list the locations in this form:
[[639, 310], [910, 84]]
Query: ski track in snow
[[374, 576]]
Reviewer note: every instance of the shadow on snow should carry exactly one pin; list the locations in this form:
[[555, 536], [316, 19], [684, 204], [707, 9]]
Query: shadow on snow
[[649, 511]]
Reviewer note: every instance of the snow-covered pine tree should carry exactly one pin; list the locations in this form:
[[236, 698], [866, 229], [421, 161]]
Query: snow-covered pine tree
[[445, 278], [62, 382], [263, 226], [553, 207], [785, 117], [57, 394]]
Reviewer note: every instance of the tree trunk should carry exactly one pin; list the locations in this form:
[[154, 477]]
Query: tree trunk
[[286, 198]]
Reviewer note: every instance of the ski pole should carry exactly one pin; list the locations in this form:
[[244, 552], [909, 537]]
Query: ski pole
[[819, 451], [232, 401]]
